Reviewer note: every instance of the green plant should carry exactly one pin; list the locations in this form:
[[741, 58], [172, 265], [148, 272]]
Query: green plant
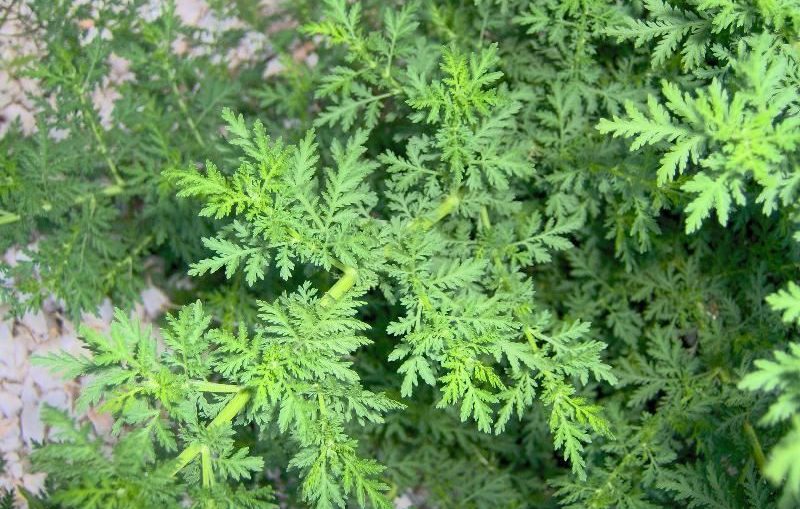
[[434, 262], [782, 374], [82, 197]]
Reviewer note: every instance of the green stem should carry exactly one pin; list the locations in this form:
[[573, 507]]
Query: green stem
[[443, 210], [112, 190], [339, 265], [350, 275], [88, 112], [758, 452], [185, 457], [8, 217], [128, 260], [203, 386], [225, 416], [483, 27], [206, 468], [426, 222], [641, 442], [529, 335], [336, 292], [207, 474], [233, 407], [373, 98], [184, 109], [341, 287], [173, 76], [485, 223]]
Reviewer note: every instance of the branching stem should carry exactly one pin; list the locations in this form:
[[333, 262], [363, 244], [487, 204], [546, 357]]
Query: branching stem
[[203, 386], [443, 210], [8, 217], [110, 190], [225, 416], [182, 106], [335, 293], [88, 112], [340, 288], [205, 463], [755, 443]]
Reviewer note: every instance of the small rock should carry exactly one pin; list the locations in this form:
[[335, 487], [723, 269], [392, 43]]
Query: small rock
[[14, 358], [34, 482], [13, 466], [102, 422], [44, 379], [5, 334], [10, 256], [191, 11], [71, 344], [9, 435], [274, 66], [154, 300], [10, 404], [56, 398], [12, 387], [102, 317], [17, 111], [403, 502], [36, 323], [119, 69], [32, 426]]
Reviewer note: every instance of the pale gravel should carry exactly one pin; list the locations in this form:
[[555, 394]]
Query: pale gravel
[[24, 388]]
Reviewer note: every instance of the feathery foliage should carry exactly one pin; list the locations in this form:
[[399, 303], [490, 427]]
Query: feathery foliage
[[464, 254]]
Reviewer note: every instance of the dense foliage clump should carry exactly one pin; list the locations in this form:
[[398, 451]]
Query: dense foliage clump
[[477, 254]]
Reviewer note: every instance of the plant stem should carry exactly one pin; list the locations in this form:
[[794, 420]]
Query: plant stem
[[207, 474], [443, 210], [336, 292], [758, 452], [641, 443], [8, 217], [485, 223], [225, 416], [233, 407], [203, 386], [172, 76], [341, 287], [128, 260], [184, 109], [88, 112], [111, 190], [529, 335], [185, 457], [205, 466]]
